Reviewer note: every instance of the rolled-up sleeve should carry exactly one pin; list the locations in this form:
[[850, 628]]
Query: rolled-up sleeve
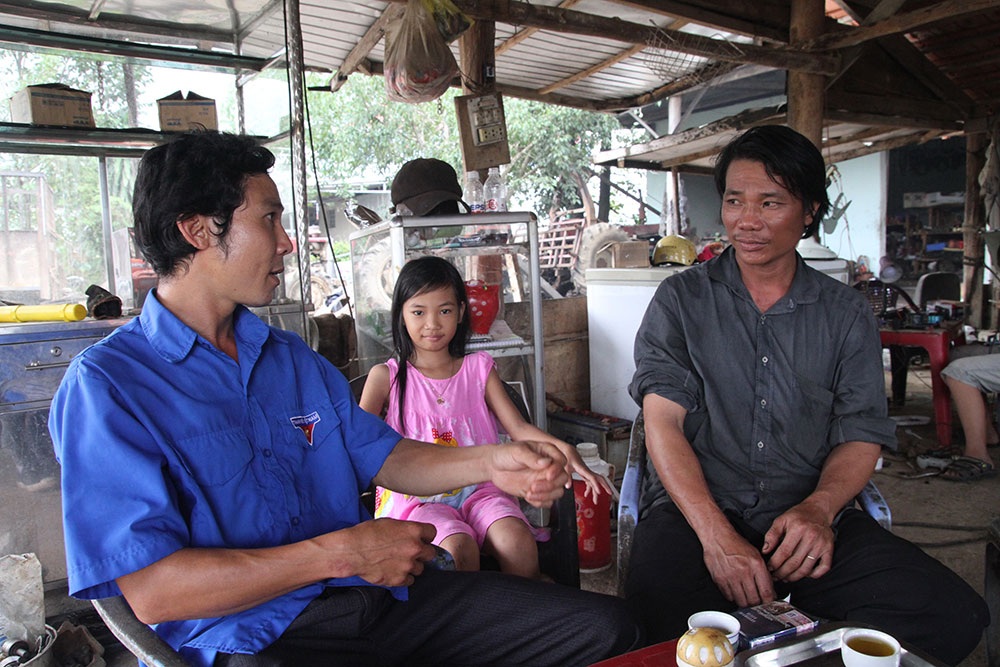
[[662, 362], [860, 412]]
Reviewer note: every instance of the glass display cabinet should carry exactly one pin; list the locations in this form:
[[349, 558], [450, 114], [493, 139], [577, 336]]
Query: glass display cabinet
[[497, 250]]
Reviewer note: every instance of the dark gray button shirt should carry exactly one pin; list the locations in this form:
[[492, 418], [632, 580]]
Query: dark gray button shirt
[[768, 396]]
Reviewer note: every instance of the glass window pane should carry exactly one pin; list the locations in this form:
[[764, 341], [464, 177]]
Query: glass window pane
[[51, 245]]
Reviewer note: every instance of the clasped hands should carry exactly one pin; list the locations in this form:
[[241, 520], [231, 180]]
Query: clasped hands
[[799, 544]]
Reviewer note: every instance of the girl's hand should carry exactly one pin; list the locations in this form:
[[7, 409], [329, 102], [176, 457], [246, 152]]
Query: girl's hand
[[574, 464], [534, 471]]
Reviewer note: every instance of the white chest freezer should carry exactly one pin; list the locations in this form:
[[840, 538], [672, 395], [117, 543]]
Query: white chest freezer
[[616, 302]]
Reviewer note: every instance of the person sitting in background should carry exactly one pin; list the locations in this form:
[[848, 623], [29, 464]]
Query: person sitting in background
[[967, 378]]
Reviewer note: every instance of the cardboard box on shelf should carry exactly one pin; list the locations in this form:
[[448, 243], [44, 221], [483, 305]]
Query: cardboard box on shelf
[[52, 104], [624, 254], [180, 114], [914, 199]]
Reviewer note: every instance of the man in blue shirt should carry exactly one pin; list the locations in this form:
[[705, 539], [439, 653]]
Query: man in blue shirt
[[212, 467]]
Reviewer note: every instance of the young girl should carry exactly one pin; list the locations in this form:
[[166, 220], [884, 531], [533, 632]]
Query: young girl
[[437, 393]]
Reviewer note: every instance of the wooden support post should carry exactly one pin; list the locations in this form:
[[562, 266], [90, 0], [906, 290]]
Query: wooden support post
[[974, 254], [477, 62], [477, 59], [806, 92]]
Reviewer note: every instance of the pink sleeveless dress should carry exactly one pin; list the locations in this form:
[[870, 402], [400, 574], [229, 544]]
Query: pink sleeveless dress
[[452, 413]]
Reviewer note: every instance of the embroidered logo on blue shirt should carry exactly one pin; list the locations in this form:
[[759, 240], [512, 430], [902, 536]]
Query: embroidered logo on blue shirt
[[306, 424]]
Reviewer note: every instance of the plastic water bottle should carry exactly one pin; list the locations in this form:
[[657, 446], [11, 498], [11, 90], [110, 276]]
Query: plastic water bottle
[[593, 519], [474, 192], [495, 191]]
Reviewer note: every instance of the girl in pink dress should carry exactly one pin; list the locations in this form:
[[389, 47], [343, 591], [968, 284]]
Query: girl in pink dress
[[431, 390]]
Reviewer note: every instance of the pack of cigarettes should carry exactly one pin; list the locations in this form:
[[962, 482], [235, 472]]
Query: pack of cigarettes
[[767, 622]]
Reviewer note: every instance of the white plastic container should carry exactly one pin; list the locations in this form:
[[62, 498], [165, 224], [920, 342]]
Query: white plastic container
[[474, 192], [495, 192]]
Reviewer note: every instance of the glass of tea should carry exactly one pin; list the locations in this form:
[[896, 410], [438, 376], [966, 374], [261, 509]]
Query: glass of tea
[[861, 647]]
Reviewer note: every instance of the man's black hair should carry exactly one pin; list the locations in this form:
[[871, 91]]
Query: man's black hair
[[197, 173], [790, 160]]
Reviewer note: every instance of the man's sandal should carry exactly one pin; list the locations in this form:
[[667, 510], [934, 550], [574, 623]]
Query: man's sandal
[[967, 469]]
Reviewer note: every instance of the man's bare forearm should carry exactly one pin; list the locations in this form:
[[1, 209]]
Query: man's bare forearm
[[423, 469], [678, 467], [845, 472], [206, 583]]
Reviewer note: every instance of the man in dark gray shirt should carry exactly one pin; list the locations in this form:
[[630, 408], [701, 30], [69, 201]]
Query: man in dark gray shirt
[[763, 394]]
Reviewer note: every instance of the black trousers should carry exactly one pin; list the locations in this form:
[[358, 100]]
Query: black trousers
[[453, 618], [877, 578]]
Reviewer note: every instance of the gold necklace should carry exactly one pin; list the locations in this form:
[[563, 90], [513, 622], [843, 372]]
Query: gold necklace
[[439, 396]]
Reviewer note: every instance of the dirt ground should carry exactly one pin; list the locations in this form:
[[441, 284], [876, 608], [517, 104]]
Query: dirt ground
[[957, 511]]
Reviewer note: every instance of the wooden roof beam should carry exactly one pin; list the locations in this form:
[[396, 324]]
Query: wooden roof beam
[[703, 76], [727, 18], [930, 76], [359, 54], [891, 120], [740, 121], [885, 145], [377, 69], [524, 34], [901, 23], [551, 98], [251, 24], [604, 64], [882, 11], [554, 19]]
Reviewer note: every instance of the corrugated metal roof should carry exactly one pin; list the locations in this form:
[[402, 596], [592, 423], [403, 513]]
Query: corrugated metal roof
[[613, 54]]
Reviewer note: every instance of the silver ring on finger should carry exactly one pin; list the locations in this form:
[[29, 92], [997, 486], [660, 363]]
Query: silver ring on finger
[[811, 557]]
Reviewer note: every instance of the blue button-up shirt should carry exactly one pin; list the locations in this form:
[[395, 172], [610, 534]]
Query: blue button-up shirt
[[166, 442], [768, 395]]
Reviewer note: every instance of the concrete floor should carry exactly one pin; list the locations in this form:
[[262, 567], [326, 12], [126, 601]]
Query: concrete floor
[[927, 500]]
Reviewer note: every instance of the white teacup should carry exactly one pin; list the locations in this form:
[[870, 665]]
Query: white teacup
[[861, 647], [721, 621]]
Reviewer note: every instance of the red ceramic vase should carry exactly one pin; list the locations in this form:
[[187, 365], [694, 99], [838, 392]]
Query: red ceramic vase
[[484, 304]]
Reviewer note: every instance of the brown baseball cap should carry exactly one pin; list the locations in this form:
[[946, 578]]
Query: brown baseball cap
[[422, 184]]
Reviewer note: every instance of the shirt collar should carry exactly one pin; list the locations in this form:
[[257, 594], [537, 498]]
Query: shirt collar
[[805, 286], [173, 340]]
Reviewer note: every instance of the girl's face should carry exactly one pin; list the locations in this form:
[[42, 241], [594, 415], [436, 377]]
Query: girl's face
[[431, 319]]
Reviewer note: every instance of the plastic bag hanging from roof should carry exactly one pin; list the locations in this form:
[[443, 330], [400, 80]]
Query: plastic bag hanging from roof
[[419, 66]]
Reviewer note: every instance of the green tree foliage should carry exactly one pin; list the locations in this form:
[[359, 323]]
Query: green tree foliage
[[76, 237], [550, 149], [358, 131]]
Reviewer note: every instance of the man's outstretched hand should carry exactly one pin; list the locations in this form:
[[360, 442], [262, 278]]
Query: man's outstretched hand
[[535, 471]]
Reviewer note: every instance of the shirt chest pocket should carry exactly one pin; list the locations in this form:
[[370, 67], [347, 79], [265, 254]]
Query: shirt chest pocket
[[305, 428], [810, 421], [214, 459]]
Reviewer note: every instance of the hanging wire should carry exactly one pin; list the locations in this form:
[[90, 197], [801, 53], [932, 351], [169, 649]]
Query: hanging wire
[[319, 193], [322, 208], [295, 212]]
